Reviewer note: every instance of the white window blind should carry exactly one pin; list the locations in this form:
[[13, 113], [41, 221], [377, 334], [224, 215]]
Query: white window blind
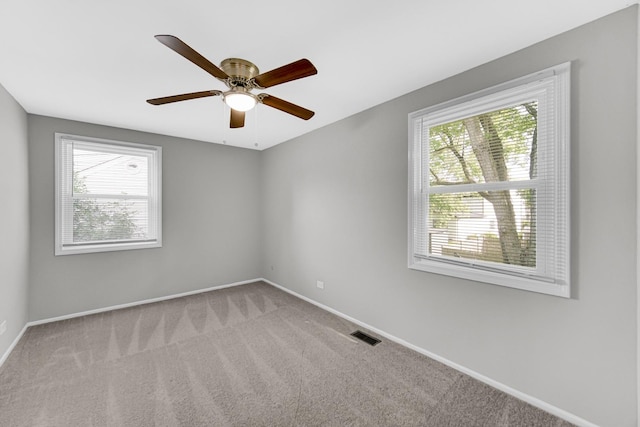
[[107, 195], [489, 185]]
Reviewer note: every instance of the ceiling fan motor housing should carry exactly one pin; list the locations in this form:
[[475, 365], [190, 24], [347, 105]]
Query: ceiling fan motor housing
[[240, 70]]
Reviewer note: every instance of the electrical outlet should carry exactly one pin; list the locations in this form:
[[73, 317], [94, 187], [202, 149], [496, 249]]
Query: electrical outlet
[[320, 284], [3, 327]]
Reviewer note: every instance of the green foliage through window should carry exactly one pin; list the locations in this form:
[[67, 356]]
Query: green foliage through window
[[492, 147], [100, 221]]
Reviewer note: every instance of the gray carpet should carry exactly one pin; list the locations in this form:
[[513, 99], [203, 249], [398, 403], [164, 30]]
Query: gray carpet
[[251, 355]]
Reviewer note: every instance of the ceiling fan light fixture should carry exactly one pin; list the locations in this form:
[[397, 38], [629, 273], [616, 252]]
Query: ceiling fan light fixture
[[240, 100]]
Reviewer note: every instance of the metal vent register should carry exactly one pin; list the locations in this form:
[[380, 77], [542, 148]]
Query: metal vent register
[[365, 337]]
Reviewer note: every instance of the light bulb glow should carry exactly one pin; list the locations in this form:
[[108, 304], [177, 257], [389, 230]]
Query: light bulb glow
[[240, 101]]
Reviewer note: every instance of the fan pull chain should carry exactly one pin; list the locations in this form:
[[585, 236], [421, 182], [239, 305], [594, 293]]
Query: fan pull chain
[[255, 126]]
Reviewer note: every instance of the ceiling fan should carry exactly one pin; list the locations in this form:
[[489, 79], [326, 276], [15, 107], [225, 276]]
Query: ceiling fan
[[241, 77]]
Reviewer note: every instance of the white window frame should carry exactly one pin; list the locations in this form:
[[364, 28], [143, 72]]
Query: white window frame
[[64, 185], [551, 87]]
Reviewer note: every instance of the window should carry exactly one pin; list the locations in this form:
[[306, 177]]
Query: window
[[107, 195], [489, 185]]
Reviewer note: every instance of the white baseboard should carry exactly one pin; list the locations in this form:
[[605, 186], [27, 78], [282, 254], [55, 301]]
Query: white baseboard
[[135, 303], [6, 354], [560, 413]]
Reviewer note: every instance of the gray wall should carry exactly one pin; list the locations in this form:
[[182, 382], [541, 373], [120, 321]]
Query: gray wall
[[336, 210], [14, 218], [211, 229]]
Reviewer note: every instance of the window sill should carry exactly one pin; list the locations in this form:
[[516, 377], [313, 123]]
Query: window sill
[[105, 247], [491, 277]]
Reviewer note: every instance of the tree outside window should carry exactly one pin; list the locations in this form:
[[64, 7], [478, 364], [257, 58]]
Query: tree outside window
[[492, 147]]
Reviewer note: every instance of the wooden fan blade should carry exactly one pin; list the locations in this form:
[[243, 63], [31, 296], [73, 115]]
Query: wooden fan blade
[[183, 49], [183, 97], [237, 119], [286, 73], [286, 106]]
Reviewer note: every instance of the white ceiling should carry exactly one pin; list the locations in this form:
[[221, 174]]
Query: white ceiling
[[97, 61]]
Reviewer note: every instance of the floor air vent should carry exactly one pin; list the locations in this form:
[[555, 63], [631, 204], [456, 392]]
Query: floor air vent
[[364, 337]]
